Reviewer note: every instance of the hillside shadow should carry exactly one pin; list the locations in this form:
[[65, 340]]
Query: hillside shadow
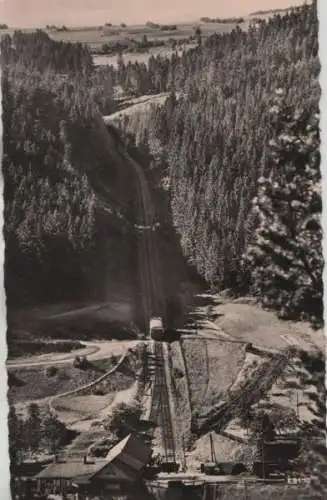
[[180, 279], [14, 381], [217, 315], [205, 301]]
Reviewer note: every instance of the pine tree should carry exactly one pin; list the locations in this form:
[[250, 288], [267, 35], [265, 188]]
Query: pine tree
[[16, 437], [53, 433], [285, 257], [33, 427]]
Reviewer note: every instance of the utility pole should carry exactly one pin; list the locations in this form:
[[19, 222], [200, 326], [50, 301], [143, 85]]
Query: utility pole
[[212, 449], [297, 405], [263, 458], [245, 490], [184, 454], [263, 451]]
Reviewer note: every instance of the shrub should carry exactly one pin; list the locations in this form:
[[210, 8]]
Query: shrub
[[51, 371], [81, 362], [177, 373], [125, 419], [99, 391]]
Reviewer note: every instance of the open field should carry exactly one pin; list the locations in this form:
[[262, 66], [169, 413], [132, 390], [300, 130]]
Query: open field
[[248, 322], [33, 383], [96, 36], [74, 408]]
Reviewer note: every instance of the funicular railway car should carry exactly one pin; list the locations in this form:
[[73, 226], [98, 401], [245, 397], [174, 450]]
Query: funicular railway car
[[157, 330]]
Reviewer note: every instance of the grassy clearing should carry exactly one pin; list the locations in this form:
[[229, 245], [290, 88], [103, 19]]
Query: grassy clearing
[[181, 395], [33, 383], [80, 407], [225, 361], [212, 367], [196, 359], [250, 323]]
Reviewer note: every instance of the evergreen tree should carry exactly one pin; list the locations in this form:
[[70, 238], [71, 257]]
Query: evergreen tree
[[33, 427], [125, 419], [16, 437], [285, 255], [53, 433]]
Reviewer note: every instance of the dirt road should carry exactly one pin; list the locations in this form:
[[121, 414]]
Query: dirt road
[[94, 350]]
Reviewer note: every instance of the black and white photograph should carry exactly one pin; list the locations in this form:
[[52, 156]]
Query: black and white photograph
[[163, 238]]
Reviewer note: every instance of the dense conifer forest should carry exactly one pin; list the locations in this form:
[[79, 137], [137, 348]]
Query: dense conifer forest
[[60, 171], [209, 151], [214, 140]]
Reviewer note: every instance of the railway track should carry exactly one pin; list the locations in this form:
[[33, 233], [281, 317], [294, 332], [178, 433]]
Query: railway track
[[160, 410], [153, 302]]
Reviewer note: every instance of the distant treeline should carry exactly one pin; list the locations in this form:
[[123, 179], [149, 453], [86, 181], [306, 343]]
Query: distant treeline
[[229, 20], [162, 27], [275, 11], [53, 27], [128, 45], [109, 25]]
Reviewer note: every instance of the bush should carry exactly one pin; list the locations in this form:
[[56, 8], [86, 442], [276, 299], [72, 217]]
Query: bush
[[51, 371], [81, 362], [99, 391], [125, 419], [177, 373]]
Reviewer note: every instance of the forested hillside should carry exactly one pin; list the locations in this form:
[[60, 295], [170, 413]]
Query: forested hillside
[[214, 142], [208, 152], [61, 172], [70, 192]]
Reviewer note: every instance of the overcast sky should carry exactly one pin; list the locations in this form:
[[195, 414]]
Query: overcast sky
[[24, 13]]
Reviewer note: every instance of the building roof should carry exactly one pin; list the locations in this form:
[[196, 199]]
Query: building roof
[[127, 459], [71, 469], [123, 462], [133, 450]]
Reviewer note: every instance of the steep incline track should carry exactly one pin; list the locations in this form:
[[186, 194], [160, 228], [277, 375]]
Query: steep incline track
[[160, 410], [153, 298]]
